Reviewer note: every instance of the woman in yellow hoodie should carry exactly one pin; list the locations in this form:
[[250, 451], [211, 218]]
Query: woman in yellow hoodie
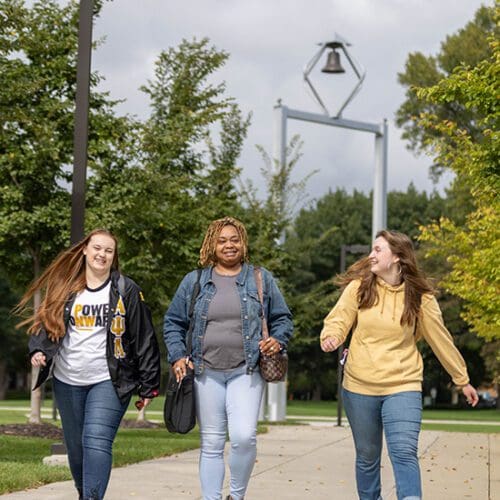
[[390, 304]]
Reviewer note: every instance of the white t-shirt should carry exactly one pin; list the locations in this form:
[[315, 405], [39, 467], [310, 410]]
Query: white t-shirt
[[81, 359]]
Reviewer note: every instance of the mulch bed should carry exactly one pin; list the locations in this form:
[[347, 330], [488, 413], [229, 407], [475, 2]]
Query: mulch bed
[[32, 430], [50, 431], [138, 424]]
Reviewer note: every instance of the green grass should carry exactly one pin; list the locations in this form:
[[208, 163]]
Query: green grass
[[471, 414], [135, 445], [294, 408], [13, 417], [21, 457], [21, 464], [486, 429], [312, 408], [329, 409]]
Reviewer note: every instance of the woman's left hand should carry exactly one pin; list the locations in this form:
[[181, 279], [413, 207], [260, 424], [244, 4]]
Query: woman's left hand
[[471, 394], [270, 346]]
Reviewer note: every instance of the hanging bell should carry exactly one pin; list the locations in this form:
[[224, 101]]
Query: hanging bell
[[333, 63]]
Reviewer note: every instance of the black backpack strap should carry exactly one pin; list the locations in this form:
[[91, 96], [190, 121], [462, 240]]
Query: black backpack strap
[[196, 291]]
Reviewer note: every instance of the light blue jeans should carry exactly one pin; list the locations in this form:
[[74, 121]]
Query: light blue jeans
[[90, 417], [227, 401], [399, 416]]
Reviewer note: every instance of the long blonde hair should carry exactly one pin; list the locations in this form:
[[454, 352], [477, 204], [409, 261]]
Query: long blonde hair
[[62, 278], [207, 250], [416, 284]]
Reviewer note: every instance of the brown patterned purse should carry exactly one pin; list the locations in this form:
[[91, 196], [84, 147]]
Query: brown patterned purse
[[272, 368]]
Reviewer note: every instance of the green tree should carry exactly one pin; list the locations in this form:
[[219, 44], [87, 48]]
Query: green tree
[[471, 248], [36, 137], [38, 47], [468, 46], [457, 113], [268, 220], [160, 205], [13, 352]]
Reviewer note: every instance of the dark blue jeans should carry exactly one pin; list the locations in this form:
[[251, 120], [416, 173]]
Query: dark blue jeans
[[90, 417], [399, 416]]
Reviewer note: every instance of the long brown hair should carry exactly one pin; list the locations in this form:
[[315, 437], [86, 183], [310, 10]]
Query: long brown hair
[[62, 278], [416, 284], [207, 250]]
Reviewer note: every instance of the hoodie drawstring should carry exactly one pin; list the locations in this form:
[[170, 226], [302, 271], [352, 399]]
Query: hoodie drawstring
[[393, 305]]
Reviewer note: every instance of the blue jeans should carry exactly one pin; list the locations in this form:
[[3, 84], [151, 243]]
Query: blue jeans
[[399, 416], [227, 401], [90, 417]]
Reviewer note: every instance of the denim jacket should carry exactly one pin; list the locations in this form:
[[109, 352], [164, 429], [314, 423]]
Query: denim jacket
[[176, 321]]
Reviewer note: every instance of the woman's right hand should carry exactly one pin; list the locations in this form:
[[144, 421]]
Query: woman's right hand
[[38, 359], [329, 344], [180, 368]]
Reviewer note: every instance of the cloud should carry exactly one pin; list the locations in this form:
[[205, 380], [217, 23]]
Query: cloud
[[269, 42]]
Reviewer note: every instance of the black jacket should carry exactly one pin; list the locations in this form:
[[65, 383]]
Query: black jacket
[[133, 355]]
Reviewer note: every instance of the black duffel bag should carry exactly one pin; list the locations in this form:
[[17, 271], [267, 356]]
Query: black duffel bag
[[179, 411]]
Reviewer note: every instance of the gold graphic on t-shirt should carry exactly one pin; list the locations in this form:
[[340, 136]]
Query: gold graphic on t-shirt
[[87, 317]]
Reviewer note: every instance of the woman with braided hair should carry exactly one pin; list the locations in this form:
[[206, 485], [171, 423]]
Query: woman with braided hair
[[227, 342], [389, 304]]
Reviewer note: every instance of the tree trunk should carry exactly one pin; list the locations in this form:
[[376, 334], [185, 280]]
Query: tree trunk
[[141, 417], [316, 395], [36, 399], [36, 396], [4, 381]]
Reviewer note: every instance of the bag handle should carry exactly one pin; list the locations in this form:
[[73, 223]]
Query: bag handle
[[257, 271], [189, 334]]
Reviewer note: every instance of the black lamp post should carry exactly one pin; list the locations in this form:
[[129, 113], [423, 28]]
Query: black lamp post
[[81, 120], [80, 142]]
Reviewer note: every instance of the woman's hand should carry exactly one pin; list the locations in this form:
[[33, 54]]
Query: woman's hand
[[329, 344], [38, 359], [180, 368], [471, 394], [270, 346]]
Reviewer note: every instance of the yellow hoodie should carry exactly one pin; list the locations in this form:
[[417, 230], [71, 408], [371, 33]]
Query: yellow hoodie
[[383, 356]]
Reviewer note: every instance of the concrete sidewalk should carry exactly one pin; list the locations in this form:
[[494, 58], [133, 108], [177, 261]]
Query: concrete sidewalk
[[310, 461]]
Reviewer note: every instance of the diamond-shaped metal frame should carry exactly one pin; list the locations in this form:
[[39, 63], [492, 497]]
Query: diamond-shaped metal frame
[[337, 43]]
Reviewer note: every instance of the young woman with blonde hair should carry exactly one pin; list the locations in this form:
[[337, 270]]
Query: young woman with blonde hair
[[93, 333], [390, 305]]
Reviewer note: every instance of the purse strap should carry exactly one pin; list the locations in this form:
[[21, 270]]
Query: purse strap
[[257, 271], [196, 291]]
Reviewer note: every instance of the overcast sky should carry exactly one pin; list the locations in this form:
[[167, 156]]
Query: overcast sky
[[270, 42]]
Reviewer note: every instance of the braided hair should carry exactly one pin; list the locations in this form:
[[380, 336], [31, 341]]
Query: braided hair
[[207, 250]]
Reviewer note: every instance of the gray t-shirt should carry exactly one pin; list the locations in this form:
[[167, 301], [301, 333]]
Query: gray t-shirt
[[223, 342]]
